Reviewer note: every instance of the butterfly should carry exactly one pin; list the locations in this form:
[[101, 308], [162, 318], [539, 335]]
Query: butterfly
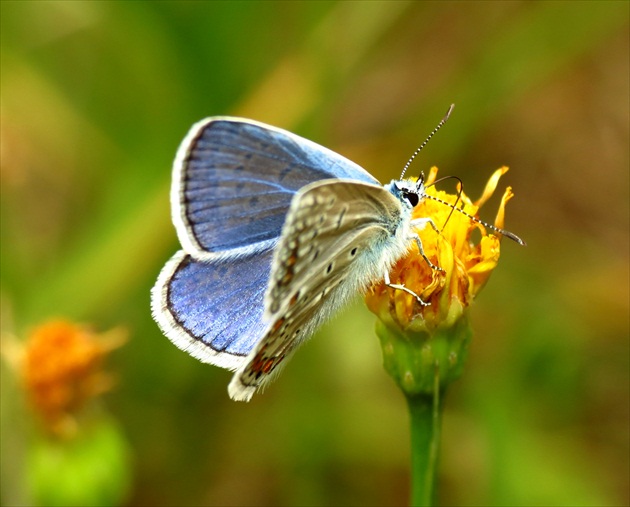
[[277, 233]]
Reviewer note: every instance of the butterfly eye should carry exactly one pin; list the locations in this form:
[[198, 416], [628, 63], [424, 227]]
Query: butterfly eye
[[412, 198]]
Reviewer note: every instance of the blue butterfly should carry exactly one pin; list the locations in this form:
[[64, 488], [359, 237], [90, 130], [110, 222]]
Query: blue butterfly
[[277, 233]]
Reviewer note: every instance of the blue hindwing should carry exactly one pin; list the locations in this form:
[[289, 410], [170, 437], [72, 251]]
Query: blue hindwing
[[213, 310]]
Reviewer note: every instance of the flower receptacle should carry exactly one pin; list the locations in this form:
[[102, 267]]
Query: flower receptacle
[[413, 358]]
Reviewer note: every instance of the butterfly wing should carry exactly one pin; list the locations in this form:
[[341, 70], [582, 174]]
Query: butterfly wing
[[233, 181], [213, 310], [338, 238]]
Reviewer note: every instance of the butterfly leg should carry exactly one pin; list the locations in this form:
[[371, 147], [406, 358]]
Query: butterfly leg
[[420, 223], [404, 289]]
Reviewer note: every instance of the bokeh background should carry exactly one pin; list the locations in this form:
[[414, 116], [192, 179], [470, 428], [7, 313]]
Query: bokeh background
[[96, 97]]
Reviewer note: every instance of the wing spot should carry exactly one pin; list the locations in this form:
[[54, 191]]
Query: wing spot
[[329, 268], [353, 252], [277, 325], [286, 279], [269, 364], [285, 172], [340, 219], [294, 299]]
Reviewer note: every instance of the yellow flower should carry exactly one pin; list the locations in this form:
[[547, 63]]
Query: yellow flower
[[467, 264], [420, 342]]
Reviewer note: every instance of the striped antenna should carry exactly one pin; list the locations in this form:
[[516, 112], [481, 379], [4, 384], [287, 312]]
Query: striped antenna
[[439, 126], [503, 232]]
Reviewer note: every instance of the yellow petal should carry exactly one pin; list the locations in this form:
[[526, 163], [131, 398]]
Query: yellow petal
[[432, 175], [499, 221], [491, 186]]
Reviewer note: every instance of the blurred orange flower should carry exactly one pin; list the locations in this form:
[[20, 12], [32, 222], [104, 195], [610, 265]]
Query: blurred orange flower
[[61, 368]]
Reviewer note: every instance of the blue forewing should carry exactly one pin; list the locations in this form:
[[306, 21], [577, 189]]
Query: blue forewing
[[233, 181]]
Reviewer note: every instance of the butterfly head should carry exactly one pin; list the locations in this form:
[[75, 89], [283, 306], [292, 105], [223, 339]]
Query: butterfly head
[[409, 192]]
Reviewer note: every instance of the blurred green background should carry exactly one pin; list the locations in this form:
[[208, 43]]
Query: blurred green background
[[96, 97]]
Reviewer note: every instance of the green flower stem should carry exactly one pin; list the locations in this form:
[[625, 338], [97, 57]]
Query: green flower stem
[[423, 361], [425, 413]]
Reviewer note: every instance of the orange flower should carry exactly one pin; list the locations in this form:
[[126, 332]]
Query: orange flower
[[61, 369]]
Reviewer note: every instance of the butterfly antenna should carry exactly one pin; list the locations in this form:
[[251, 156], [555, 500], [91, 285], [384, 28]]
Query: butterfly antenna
[[503, 232], [460, 191], [439, 126]]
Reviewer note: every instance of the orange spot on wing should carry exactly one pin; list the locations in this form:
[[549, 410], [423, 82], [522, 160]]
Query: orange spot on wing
[[277, 325], [294, 299]]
